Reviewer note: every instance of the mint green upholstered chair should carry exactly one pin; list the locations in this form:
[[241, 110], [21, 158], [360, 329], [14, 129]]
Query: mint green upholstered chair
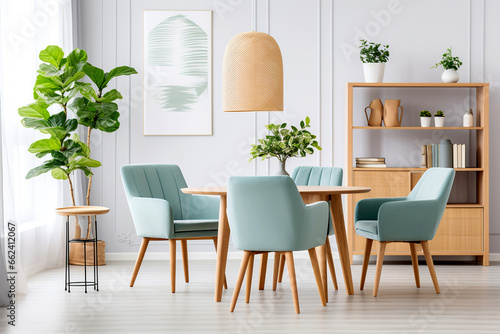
[[309, 176], [267, 214], [413, 219], [161, 211]]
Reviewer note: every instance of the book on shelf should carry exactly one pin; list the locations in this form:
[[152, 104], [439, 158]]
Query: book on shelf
[[431, 156], [371, 162], [455, 155], [371, 165]]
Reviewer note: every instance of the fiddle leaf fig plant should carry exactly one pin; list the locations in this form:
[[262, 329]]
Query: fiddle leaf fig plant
[[96, 109], [284, 143], [58, 86], [55, 86]]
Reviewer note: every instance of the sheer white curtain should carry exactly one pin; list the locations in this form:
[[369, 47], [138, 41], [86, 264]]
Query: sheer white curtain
[[26, 27]]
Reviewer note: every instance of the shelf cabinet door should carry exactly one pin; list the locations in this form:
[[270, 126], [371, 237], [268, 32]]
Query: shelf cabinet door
[[460, 230]]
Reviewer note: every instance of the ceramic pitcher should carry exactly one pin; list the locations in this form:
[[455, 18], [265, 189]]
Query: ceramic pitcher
[[391, 108], [376, 108]]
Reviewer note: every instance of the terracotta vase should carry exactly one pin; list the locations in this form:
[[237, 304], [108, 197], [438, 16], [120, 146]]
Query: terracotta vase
[[391, 113], [377, 109]]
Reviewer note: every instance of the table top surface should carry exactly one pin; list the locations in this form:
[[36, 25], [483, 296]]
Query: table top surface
[[304, 190], [82, 210]]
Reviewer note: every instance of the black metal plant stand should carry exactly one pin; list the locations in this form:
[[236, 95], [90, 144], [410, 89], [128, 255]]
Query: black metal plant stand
[[67, 279]]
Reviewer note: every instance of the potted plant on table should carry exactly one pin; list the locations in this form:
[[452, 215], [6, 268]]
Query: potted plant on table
[[284, 143], [451, 65], [374, 56], [57, 86], [425, 118], [439, 119]]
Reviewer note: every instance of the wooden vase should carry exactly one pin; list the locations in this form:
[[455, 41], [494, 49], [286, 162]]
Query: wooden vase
[[391, 108], [376, 112]]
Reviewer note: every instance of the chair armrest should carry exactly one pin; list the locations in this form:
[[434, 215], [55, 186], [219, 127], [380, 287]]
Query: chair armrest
[[415, 220], [201, 207], [153, 217], [367, 209], [315, 228]]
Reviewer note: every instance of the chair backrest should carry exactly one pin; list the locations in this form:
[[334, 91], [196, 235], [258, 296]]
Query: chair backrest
[[156, 181], [317, 176], [435, 184], [264, 212]]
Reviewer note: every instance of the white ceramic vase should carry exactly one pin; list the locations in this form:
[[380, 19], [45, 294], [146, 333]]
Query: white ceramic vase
[[438, 122], [425, 122], [374, 72], [450, 76]]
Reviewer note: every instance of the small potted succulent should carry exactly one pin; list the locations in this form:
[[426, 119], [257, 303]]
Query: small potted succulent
[[439, 119], [425, 118], [451, 65], [374, 56], [284, 143]]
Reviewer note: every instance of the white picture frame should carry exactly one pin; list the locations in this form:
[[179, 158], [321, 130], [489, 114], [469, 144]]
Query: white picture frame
[[177, 74]]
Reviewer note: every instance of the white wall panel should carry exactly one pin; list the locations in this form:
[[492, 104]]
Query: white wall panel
[[318, 40]]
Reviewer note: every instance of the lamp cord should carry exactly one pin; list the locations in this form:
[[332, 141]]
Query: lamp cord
[[254, 15]]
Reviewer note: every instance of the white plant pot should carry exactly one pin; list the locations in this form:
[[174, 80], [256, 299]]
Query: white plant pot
[[374, 72], [425, 122], [450, 76], [438, 122]]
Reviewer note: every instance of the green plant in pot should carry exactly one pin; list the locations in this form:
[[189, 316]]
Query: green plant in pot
[[425, 118], [451, 65], [439, 119], [97, 110], [374, 56], [56, 85], [283, 143], [59, 88]]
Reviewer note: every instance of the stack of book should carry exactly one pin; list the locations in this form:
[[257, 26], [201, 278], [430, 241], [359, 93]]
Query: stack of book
[[370, 163], [430, 156]]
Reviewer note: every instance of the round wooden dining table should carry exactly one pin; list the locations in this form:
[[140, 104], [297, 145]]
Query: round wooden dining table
[[310, 194]]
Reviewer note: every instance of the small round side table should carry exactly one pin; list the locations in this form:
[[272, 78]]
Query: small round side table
[[82, 211]]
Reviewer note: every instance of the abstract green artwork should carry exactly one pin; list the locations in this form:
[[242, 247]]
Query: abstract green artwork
[[177, 72]]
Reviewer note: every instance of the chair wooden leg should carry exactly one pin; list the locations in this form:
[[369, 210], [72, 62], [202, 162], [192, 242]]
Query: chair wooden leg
[[138, 262], [366, 259], [329, 258], [414, 261], [293, 282], [239, 281], [172, 243], [430, 264], [249, 278], [215, 244], [262, 270], [281, 268], [185, 263], [277, 257], [380, 261], [321, 254], [317, 275]]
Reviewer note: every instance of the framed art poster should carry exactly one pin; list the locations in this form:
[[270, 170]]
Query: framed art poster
[[177, 72]]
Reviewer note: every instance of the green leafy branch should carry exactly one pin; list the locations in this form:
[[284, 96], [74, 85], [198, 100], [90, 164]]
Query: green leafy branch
[[448, 61], [373, 52], [284, 143]]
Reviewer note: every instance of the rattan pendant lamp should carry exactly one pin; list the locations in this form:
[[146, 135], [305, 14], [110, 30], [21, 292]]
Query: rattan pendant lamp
[[252, 74]]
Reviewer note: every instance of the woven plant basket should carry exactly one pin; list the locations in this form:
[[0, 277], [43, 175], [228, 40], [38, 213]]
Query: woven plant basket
[[76, 253]]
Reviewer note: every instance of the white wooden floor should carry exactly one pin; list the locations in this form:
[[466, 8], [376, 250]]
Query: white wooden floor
[[469, 302]]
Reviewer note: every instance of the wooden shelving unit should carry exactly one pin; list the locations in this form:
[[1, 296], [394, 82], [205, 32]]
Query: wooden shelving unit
[[464, 229]]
